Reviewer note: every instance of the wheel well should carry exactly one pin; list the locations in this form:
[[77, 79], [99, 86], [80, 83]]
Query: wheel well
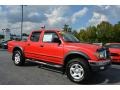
[[17, 48], [72, 56]]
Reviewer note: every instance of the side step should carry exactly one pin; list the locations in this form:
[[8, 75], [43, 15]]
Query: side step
[[48, 66]]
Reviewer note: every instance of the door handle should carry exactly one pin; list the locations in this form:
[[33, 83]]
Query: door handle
[[41, 45]]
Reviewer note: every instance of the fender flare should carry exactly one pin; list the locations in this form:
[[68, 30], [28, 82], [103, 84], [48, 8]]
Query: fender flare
[[18, 47], [70, 53], [77, 52]]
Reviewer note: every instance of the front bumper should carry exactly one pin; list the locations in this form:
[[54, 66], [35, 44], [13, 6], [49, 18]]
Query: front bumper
[[100, 65]]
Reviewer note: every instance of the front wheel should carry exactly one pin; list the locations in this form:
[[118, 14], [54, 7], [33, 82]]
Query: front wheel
[[77, 70], [18, 58]]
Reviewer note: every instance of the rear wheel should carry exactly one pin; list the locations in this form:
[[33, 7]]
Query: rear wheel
[[18, 58], [77, 70]]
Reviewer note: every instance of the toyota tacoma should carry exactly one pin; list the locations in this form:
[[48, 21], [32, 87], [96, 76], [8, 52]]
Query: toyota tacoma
[[61, 49]]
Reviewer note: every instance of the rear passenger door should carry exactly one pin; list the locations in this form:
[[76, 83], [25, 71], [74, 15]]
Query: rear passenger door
[[32, 49]]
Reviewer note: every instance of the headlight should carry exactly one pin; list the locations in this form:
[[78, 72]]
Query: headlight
[[101, 53]]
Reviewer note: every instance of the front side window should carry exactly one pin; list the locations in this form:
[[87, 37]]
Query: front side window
[[50, 37], [35, 36]]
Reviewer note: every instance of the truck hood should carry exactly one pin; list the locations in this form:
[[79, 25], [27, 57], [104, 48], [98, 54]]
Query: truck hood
[[86, 46]]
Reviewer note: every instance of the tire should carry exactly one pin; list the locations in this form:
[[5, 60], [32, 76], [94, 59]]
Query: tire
[[78, 71], [18, 58]]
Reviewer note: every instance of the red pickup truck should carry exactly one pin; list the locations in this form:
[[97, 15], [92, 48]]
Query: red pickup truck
[[59, 48]]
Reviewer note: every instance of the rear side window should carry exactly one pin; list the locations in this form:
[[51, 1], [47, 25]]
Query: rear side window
[[35, 36]]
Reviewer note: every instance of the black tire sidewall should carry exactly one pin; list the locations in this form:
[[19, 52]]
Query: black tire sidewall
[[84, 66]]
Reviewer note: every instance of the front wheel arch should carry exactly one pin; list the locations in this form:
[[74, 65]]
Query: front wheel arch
[[72, 56]]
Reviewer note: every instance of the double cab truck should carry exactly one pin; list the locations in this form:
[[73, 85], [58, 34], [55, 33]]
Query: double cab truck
[[63, 50]]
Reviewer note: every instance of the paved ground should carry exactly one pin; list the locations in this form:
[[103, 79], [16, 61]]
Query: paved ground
[[31, 74]]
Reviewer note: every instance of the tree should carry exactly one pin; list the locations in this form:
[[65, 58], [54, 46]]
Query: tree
[[104, 32], [91, 34], [116, 32], [82, 36], [66, 28], [24, 34]]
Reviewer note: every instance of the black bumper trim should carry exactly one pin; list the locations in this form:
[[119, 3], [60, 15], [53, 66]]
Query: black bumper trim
[[100, 66]]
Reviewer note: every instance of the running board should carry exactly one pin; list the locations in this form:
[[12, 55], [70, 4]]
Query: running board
[[48, 66]]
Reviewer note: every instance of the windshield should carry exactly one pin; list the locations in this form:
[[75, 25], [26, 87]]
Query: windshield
[[69, 37]]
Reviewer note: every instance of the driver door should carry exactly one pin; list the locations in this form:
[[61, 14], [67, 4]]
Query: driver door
[[51, 50]]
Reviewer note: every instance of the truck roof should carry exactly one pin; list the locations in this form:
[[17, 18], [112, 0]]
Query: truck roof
[[48, 30]]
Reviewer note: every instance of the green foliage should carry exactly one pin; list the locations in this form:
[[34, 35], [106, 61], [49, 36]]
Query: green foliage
[[102, 33], [66, 28], [116, 32], [24, 34]]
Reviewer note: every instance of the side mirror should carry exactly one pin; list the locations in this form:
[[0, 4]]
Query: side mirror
[[56, 40]]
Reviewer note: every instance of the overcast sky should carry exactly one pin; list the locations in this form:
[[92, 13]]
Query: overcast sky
[[56, 16]]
